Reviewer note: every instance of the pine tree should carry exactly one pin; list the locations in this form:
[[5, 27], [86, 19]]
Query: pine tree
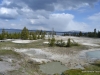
[[24, 34], [95, 33], [38, 36], [34, 36], [3, 34], [68, 43], [98, 34], [52, 42], [80, 33], [0, 37], [43, 35]]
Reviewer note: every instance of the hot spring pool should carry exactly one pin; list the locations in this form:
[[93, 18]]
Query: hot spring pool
[[52, 68], [92, 55]]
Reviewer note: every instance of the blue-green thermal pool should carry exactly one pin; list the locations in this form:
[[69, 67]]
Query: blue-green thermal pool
[[93, 54], [52, 68]]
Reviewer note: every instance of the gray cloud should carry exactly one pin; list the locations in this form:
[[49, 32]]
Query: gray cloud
[[50, 5], [60, 22], [12, 4], [30, 14], [36, 8], [6, 13], [38, 14], [40, 5], [74, 4], [7, 17]]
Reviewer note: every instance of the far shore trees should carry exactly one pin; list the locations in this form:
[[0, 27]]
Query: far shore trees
[[25, 34], [93, 34]]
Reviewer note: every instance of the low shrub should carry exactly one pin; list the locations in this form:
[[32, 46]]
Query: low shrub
[[1, 59], [68, 43], [52, 42], [60, 43]]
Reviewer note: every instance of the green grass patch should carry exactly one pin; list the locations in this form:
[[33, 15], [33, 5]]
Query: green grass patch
[[8, 52], [89, 70], [35, 44], [80, 72]]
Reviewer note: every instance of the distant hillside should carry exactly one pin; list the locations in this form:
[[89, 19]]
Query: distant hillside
[[11, 30]]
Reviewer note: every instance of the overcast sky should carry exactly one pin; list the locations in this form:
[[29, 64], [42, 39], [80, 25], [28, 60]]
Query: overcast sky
[[62, 15]]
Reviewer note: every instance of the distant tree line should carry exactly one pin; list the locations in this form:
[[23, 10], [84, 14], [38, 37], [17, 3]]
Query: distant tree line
[[25, 34], [94, 34]]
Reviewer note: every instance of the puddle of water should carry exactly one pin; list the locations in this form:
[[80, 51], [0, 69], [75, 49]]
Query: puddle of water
[[52, 68]]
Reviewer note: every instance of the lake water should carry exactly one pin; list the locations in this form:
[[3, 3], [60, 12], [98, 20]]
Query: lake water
[[52, 68]]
